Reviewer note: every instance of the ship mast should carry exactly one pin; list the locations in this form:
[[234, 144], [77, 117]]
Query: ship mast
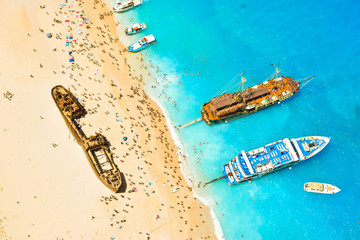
[[238, 95], [277, 71], [243, 83]]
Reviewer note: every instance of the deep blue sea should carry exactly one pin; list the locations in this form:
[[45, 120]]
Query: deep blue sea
[[201, 45]]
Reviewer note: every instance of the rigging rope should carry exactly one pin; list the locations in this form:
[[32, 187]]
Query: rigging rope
[[227, 85], [258, 76], [306, 82], [270, 77]]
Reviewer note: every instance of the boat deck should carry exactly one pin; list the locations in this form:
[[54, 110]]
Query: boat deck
[[309, 146], [277, 153], [272, 156], [271, 91], [258, 160]]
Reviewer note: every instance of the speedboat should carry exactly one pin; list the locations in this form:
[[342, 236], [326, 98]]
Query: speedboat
[[138, 27], [122, 6], [320, 188], [142, 43]]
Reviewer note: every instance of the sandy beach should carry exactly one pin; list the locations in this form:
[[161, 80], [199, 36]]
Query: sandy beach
[[47, 187]]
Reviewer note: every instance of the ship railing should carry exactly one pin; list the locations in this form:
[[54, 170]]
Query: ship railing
[[233, 172], [227, 173]]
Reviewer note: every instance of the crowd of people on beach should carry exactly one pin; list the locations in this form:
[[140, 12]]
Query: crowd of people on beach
[[142, 146]]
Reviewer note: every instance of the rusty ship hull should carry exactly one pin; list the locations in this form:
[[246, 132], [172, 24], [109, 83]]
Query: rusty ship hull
[[96, 147], [72, 111], [231, 106]]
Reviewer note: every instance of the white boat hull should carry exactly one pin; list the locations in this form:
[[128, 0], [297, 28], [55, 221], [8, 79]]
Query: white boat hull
[[272, 157], [323, 188], [123, 6]]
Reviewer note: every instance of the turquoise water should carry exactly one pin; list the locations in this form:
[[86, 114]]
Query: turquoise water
[[219, 39]]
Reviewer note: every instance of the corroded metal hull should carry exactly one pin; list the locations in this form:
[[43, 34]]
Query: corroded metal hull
[[96, 147]]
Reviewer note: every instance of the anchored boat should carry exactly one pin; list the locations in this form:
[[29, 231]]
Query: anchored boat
[[230, 106], [270, 158], [122, 6], [320, 188], [142, 43], [136, 28], [95, 147]]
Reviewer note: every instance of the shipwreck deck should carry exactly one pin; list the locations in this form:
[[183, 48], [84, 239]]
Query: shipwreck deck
[[103, 165]]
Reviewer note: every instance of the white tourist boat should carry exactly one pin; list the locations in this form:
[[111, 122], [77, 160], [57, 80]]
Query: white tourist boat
[[136, 28], [320, 188], [142, 43], [271, 157], [122, 6]]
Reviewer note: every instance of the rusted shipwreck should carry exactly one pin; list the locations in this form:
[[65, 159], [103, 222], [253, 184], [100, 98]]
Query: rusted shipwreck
[[96, 147]]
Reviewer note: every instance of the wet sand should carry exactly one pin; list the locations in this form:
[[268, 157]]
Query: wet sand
[[47, 187]]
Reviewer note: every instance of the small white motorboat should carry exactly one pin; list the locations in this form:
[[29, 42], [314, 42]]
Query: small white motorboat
[[122, 6], [142, 43], [321, 188], [138, 27]]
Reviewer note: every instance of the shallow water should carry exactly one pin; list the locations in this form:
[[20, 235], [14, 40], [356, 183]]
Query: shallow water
[[202, 45]]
